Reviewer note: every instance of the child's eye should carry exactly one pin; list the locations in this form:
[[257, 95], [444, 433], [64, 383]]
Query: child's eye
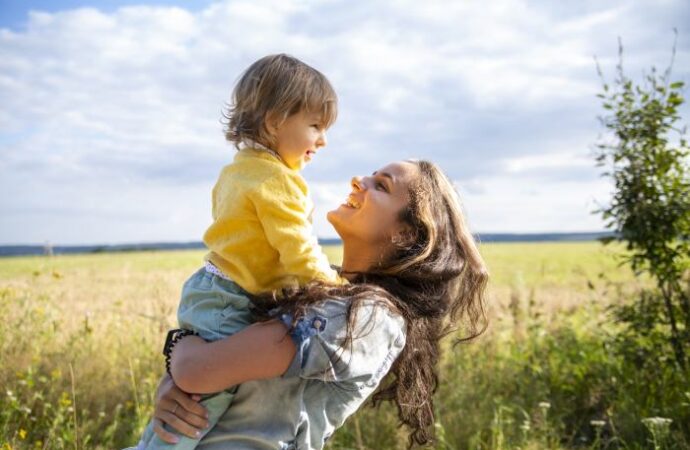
[[381, 187]]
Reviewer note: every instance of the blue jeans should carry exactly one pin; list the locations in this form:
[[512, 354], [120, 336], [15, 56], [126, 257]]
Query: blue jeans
[[215, 308]]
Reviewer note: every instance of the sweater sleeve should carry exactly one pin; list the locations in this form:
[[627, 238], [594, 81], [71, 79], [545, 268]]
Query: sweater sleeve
[[283, 207]]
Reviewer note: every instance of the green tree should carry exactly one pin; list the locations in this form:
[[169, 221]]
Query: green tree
[[645, 154]]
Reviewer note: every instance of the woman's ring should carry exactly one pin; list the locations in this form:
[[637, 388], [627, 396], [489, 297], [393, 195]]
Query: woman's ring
[[175, 408]]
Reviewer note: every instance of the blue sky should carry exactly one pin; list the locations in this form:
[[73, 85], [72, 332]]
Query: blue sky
[[109, 111], [14, 14]]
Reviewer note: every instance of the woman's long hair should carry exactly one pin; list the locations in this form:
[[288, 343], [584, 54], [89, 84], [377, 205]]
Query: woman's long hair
[[435, 278]]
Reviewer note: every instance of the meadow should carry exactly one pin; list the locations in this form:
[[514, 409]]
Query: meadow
[[79, 356]]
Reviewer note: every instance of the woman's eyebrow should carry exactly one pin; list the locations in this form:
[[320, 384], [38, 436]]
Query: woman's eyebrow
[[384, 174]]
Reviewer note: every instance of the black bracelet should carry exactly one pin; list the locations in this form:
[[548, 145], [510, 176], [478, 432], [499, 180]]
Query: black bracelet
[[173, 338]]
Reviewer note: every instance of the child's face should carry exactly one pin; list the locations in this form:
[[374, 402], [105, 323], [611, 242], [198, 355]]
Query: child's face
[[298, 138]]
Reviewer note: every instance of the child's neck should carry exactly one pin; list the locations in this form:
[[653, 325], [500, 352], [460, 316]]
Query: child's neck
[[258, 146]]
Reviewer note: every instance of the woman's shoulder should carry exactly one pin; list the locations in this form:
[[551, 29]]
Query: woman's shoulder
[[372, 314], [335, 343]]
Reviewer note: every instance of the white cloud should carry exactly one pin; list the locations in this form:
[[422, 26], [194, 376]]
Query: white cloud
[[506, 204], [547, 161], [111, 120]]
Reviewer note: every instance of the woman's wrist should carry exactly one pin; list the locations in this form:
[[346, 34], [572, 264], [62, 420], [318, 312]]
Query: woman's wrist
[[171, 341], [186, 358]]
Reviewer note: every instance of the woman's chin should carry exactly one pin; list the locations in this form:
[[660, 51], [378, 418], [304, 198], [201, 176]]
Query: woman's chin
[[332, 216], [336, 217]]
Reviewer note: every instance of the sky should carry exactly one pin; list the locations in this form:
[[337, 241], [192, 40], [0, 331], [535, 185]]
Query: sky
[[110, 111]]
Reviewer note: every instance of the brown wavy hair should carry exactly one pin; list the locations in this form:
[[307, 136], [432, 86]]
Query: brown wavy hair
[[276, 86], [435, 279]]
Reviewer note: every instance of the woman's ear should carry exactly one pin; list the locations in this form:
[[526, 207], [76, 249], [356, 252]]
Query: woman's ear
[[403, 237]]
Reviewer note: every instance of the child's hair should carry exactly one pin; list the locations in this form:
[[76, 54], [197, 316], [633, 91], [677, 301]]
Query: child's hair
[[278, 86]]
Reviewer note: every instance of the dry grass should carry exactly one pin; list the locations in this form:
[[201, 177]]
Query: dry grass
[[81, 336]]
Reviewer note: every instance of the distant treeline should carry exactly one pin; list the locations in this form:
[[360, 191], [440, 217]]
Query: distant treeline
[[23, 250]]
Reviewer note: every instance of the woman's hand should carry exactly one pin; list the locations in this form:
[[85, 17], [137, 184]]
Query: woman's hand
[[179, 410]]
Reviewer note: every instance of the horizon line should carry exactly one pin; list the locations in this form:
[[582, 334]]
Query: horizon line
[[51, 249]]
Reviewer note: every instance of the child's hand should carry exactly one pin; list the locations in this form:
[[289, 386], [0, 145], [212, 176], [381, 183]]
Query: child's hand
[[179, 410]]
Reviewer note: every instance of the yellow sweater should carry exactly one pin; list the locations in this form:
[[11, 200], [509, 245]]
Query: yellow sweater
[[261, 235]]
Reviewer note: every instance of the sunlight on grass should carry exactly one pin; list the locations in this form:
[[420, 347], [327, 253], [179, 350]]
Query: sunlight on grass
[[79, 358]]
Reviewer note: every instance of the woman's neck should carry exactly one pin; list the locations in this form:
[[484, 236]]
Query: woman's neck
[[359, 258]]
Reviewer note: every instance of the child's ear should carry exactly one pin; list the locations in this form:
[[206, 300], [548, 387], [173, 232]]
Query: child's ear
[[272, 123]]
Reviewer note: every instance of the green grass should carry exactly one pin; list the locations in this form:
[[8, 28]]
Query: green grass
[[544, 264], [79, 356]]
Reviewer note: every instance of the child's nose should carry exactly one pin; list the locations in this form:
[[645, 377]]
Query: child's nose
[[322, 141]]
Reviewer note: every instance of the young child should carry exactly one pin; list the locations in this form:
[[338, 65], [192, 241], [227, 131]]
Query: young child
[[260, 239]]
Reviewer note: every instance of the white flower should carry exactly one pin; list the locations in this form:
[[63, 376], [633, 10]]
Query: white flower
[[657, 422]]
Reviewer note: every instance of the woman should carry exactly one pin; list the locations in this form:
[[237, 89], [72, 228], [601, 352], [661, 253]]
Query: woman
[[415, 271]]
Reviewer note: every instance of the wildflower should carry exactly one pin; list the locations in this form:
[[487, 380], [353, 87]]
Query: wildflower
[[544, 405], [22, 434], [657, 422], [597, 423], [65, 400], [659, 428]]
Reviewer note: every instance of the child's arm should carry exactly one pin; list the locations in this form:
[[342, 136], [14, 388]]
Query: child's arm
[[260, 351], [282, 206]]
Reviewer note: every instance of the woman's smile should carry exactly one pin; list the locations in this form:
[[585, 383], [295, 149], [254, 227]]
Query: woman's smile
[[351, 202]]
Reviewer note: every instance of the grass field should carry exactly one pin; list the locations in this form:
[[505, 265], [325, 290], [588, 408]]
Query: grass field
[[79, 357]]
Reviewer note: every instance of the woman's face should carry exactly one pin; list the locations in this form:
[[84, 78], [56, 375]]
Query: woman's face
[[370, 213]]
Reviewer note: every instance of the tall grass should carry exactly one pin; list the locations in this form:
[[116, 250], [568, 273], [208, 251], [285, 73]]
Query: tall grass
[[79, 357]]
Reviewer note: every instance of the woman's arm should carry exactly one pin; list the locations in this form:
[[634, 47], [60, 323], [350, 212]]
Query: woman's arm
[[260, 351]]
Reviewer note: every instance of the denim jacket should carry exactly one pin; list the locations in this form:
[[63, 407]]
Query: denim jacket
[[325, 383]]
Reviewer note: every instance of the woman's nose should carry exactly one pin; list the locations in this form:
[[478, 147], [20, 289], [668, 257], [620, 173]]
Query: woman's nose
[[356, 183]]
